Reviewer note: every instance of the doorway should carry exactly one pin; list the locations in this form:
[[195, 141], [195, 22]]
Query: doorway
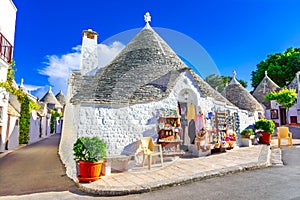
[[282, 112]]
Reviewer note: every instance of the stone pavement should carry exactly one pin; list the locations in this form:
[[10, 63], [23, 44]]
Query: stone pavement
[[182, 171]]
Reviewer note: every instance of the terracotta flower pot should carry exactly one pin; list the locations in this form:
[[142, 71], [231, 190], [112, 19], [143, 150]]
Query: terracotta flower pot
[[265, 138], [89, 171]]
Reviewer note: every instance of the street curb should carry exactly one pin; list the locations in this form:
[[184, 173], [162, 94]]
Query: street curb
[[264, 161]]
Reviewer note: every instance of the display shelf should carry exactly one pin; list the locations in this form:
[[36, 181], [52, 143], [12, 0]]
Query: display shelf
[[168, 134]]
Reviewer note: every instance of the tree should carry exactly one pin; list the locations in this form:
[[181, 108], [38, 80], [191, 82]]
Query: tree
[[54, 116], [215, 81], [285, 97], [281, 67], [219, 82]]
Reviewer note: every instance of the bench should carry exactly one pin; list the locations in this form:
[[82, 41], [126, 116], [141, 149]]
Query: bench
[[115, 163]]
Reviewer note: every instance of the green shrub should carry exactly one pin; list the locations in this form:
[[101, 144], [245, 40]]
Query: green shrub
[[265, 125], [247, 132], [89, 149]]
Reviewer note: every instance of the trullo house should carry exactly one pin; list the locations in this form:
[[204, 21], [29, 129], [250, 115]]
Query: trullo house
[[122, 101]]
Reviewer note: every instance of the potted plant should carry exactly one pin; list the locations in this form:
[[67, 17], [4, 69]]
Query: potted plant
[[266, 128], [89, 153], [248, 133], [247, 137]]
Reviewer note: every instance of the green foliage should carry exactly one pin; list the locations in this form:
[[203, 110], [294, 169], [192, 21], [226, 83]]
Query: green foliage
[[215, 81], [247, 132], [285, 97], [281, 67], [265, 125], [54, 116], [24, 122], [89, 149], [219, 82], [27, 105]]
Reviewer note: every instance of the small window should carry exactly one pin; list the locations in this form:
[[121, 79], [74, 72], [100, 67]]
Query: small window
[[274, 114]]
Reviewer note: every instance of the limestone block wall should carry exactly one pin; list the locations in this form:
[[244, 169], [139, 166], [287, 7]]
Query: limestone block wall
[[34, 129], [246, 119], [121, 127], [13, 139], [3, 123], [292, 112], [69, 135]]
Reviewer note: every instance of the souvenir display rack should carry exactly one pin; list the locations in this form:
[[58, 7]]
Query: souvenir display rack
[[168, 133], [224, 137]]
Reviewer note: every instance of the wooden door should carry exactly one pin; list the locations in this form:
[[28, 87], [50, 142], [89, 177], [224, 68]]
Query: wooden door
[[282, 112]]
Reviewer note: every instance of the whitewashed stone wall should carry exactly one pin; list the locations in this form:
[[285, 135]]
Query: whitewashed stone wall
[[69, 134], [58, 125], [3, 123], [292, 112], [245, 119], [34, 129], [13, 139]]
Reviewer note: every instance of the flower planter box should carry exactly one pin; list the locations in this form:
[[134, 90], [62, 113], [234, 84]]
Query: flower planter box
[[246, 142]]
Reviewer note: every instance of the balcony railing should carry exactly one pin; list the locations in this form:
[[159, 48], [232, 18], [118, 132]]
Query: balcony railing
[[5, 49]]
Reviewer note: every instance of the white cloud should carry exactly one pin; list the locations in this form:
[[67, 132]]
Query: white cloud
[[107, 53], [58, 68], [32, 87]]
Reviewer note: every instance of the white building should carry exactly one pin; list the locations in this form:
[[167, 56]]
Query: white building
[[7, 35], [274, 111], [120, 102]]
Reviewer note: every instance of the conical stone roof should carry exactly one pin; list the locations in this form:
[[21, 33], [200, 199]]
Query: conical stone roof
[[61, 98], [293, 84], [50, 98], [145, 70], [240, 97], [263, 88]]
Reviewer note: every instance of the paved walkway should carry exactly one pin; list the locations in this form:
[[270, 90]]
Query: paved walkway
[[187, 170], [45, 172], [33, 168], [180, 171]]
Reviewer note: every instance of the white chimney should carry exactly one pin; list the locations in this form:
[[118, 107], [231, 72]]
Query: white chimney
[[89, 51]]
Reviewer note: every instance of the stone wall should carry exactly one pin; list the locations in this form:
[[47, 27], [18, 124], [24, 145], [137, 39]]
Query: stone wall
[[34, 129], [13, 139], [3, 122]]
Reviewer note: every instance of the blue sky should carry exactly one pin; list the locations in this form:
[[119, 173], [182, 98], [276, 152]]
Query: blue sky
[[237, 34]]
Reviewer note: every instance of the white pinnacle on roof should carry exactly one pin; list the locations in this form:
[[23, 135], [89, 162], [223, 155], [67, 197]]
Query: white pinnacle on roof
[[233, 80], [147, 18]]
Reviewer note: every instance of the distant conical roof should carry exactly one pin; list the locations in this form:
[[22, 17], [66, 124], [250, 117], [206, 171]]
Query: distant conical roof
[[240, 97], [50, 98], [263, 88], [145, 70], [293, 84], [61, 98]]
